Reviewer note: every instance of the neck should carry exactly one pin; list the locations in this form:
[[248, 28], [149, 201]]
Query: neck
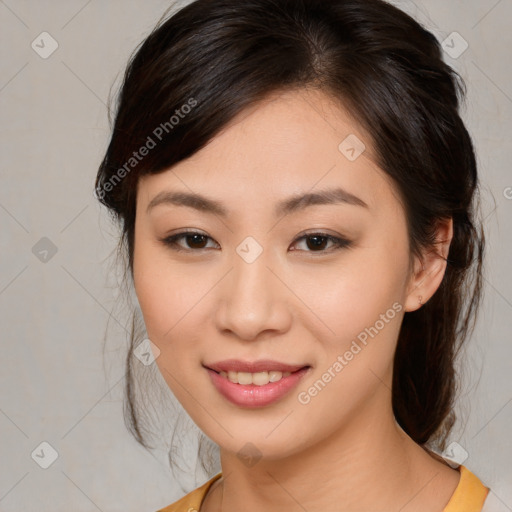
[[370, 464]]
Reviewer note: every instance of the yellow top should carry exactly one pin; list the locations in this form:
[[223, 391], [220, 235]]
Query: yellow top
[[469, 495]]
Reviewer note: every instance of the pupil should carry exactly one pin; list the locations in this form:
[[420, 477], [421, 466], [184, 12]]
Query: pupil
[[195, 237], [320, 241]]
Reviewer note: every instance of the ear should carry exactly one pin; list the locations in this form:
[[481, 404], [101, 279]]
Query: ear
[[430, 268]]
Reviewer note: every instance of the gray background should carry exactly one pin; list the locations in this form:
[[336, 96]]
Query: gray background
[[54, 384]]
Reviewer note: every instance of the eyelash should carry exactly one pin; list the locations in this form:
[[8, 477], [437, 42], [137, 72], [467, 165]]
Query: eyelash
[[339, 243]]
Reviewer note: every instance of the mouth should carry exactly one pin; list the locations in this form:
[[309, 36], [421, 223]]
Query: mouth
[[258, 378], [258, 373], [267, 383]]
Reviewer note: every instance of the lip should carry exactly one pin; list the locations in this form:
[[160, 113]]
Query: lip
[[236, 365], [251, 395]]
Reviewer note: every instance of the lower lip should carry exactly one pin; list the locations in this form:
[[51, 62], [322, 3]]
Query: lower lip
[[251, 395]]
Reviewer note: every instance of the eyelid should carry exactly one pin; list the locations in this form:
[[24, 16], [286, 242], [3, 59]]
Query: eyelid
[[340, 242], [170, 241]]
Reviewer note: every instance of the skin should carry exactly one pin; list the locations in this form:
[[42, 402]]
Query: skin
[[343, 450]]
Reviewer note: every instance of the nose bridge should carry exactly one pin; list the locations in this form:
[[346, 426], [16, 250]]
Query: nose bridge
[[252, 299], [251, 276]]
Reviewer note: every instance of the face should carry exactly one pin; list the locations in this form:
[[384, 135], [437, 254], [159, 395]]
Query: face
[[320, 285]]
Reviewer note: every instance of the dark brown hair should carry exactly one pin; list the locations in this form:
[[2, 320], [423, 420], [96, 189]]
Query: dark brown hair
[[213, 58]]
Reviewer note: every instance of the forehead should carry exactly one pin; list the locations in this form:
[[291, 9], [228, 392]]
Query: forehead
[[292, 142]]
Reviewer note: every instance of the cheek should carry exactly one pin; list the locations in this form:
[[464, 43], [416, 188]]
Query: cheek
[[363, 308], [164, 290], [173, 299], [353, 297], [166, 308], [355, 363], [148, 279]]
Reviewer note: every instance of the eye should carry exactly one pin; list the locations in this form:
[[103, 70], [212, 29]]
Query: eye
[[318, 240], [197, 241], [194, 239]]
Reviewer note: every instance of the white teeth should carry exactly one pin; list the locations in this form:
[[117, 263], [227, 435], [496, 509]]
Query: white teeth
[[259, 379]]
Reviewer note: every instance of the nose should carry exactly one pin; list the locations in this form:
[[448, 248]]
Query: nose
[[253, 301]]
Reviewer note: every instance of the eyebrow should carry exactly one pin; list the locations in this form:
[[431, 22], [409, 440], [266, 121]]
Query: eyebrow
[[289, 205]]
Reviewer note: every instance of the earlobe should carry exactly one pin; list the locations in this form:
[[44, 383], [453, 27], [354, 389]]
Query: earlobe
[[430, 269]]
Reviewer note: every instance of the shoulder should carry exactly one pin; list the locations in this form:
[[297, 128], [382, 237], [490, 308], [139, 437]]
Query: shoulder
[[470, 494], [191, 502]]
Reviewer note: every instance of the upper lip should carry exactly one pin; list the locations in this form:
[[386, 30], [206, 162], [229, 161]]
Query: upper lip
[[236, 365]]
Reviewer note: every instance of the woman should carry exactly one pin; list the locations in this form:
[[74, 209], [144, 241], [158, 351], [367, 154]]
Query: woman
[[297, 196]]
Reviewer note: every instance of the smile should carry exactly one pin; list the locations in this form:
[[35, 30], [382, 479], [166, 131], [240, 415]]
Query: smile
[[259, 379], [258, 389]]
